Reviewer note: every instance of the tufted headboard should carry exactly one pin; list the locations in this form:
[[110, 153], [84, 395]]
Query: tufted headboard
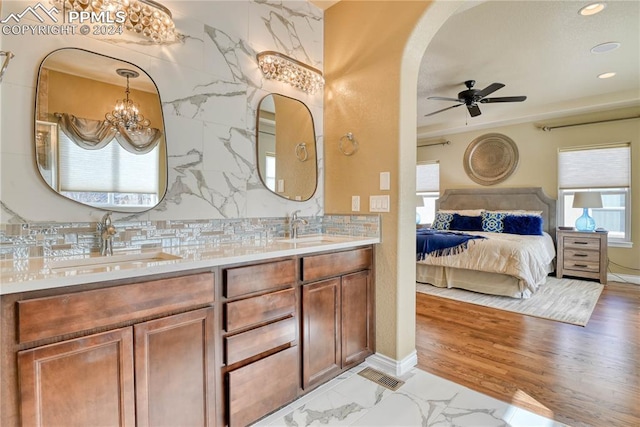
[[527, 198]]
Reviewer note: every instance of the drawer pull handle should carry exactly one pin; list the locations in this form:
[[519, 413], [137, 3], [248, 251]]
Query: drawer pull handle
[[581, 255], [580, 265], [581, 243]]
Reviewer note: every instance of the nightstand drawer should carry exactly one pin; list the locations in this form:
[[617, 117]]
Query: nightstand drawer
[[579, 256], [575, 242], [591, 266]]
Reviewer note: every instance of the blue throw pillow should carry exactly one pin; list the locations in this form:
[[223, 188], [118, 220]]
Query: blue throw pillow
[[492, 221], [466, 223], [530, 225], [442, 221]]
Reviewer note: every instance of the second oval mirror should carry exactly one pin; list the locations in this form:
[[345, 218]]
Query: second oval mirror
[[286, 146], [100, 132]]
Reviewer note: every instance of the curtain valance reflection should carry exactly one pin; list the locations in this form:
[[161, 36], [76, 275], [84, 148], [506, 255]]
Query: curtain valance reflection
[[95, 134]]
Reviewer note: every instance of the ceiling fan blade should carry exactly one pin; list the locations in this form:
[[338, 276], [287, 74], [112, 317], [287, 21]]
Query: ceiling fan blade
[[444, 109], [504, 99], [474, 110], [489, 89], [440, 98]]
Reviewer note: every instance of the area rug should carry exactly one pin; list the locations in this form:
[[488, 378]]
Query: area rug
[[562, 300]]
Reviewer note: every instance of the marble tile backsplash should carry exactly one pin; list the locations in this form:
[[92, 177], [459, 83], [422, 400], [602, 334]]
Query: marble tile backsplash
[[21, 241]]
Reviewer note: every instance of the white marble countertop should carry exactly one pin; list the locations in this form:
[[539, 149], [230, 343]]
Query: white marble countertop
[[45, 273]]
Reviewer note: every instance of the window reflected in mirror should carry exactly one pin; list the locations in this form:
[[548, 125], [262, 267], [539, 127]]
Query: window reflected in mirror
[[286, 148], [100, 131]]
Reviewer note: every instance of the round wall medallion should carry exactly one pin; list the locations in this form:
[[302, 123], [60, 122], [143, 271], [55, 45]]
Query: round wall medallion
[[491, 158]]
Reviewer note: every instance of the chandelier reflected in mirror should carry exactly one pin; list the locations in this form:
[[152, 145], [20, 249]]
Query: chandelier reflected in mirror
[[126, 113], [144, 17], [277, 66]]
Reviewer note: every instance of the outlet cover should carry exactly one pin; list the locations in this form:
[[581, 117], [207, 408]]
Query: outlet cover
[[355, 203]]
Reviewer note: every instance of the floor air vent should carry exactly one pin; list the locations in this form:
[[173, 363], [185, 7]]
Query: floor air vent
[[381, 379]]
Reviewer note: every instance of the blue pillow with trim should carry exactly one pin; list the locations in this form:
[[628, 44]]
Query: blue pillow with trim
[[442, 221], [492, 221], [529, 225], [466, 223]]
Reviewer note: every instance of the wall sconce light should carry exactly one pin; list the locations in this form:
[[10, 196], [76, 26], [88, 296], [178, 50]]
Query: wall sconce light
[[276, 66], [145, 17]]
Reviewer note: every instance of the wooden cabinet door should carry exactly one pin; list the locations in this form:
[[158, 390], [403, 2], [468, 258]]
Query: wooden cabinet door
[[175, 370], [320, 331], [357, 318], [82, 382]]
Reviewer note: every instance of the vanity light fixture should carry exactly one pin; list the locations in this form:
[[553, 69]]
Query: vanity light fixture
[[126, 113], [276, 66], [592, 9], [145, 17]]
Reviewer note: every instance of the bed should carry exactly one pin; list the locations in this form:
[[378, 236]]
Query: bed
[[496, 263]]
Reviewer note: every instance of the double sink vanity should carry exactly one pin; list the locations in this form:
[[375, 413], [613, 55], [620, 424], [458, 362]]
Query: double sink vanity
[[193, 335]]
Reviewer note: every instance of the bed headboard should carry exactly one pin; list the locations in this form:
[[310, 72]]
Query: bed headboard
[[527, 198]]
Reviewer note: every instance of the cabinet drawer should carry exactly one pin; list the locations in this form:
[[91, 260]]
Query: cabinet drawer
[[579, 265], [260, 277], [575, 242], [251, 343], [581, 255], [256, 310], [48, 317], [262, 387], [316, 267]]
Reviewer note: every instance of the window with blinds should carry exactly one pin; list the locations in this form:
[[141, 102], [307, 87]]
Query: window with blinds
[[427, 190], [606, 169], [110, 176]]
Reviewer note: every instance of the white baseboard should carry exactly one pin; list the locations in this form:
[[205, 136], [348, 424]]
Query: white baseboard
[[615, 277], [391, 366]]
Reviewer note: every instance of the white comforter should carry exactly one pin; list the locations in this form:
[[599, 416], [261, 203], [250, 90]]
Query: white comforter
[[529, 258]]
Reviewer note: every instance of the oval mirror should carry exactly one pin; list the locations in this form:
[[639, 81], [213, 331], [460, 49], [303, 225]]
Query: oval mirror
[[287, 161], [99, 131]]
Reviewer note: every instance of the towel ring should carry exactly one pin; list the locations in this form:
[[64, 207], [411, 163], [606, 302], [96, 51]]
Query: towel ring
[[301, 151], [7, 57], [354, 144]]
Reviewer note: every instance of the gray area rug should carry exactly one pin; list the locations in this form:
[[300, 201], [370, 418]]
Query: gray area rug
[[562, 300]]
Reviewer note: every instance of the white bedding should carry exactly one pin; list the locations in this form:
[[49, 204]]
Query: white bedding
[[528, 258]]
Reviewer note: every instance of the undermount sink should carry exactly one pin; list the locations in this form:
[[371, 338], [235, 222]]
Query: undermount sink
[[99, 261], [311, 239]]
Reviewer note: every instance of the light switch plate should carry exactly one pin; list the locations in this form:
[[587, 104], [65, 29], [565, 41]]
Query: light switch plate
[[281, 186], [379, 203], [355, 203], [385, 180]]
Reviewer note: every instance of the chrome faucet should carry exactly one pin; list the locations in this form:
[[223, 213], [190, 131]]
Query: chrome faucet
[[106, 231], [294, 223]]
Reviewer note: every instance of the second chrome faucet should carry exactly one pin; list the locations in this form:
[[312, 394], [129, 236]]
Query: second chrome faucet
[[294, 224]]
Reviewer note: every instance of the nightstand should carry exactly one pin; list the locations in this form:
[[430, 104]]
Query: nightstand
[[582, 254]]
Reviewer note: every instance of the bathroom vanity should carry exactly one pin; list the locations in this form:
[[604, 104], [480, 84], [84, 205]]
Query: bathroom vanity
[[212, 336]]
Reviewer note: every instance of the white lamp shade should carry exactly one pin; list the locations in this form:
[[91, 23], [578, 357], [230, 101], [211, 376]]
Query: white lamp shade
[[587, 199], [419, 201]]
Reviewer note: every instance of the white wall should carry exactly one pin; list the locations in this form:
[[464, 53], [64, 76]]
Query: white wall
[[210, 87]]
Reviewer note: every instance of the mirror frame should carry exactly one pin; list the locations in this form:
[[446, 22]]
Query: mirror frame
[[315, 143], [164, 183]]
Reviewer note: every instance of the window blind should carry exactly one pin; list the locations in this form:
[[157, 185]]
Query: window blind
[[596, 167], [110, 169], [428, 177]]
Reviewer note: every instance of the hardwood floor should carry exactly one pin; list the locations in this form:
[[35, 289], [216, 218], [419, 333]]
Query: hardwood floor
[[579, 376]]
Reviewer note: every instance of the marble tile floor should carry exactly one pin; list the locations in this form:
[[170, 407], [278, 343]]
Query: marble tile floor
[[423, 400]]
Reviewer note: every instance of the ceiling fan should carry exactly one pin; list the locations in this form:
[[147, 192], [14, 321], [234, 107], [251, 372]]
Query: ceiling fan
[[471, 97]]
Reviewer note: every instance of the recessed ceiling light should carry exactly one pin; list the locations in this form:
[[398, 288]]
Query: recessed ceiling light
[[605, 47], [606, 75], [592, 9]]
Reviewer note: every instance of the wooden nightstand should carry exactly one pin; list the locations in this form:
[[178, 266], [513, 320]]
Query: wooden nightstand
[[582, 254]]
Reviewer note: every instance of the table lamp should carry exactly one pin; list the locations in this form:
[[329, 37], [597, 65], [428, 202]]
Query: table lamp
[[419, 204], [586, 200]]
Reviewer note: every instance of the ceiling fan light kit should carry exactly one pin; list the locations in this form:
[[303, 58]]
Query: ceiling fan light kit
[[471, 97]]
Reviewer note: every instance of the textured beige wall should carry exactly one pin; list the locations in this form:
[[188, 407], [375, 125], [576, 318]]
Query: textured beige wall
[[538, 165], [364, 46]]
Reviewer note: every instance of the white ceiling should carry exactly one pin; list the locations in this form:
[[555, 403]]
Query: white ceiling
[[540, 49]]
